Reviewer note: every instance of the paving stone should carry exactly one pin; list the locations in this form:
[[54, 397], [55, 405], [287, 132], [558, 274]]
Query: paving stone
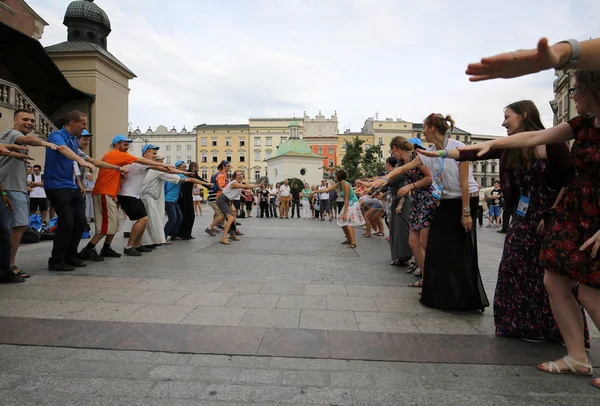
[[160, 313], [328, 320], [325, 290], [385, 322], [205, 299], [126, 356], [277, 394], [437, 325], [302, 302], [328, 396], [237, 393], [229, 361], [241, 287], [280, 288], [276, 318], [20, 398], [215, 316], [107, 311], [16, 351], [177, 389], [253, 300], [9, 381], [303, 378], [351, 380], [351, 303], [261, 376], [159, 296], [368, 291]]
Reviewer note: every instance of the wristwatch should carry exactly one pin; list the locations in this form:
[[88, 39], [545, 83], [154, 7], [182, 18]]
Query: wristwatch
[[467, 210], [574, 56]]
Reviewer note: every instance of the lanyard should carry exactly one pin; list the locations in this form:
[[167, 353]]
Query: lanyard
[[442, 162]]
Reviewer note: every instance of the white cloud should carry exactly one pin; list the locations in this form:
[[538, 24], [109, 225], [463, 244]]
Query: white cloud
[[224, 61]]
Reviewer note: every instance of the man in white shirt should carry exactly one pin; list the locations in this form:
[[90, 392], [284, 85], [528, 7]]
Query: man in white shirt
[[324, 197], [37, 196], [273, 192], [284, 200]]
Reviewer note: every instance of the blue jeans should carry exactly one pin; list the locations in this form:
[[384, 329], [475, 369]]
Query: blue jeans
[[4, 242], [175, 217], [494, 211]]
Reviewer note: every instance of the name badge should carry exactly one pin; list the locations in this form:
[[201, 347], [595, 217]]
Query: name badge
[[436, 191], [522, 206]]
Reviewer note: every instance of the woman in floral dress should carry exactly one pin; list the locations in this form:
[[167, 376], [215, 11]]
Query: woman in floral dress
[[521, 304], [423, 203], [570, 247]]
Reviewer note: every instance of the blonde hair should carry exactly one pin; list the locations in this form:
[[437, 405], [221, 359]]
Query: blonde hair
[[440, 123], [402, 143]]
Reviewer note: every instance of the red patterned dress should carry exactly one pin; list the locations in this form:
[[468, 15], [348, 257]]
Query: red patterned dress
[[577, 216]]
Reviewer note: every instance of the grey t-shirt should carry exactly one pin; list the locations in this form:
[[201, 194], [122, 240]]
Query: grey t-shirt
[[13, 172]]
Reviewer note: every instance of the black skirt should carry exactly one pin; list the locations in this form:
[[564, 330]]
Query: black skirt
[[452, 280]]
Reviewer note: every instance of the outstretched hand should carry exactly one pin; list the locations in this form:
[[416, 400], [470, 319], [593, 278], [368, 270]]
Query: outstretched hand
[[430, 154], [514, 64], [483, 148], [377, 183]]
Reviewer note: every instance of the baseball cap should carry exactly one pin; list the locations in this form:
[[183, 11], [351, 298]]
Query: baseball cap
[[159, 158], [416, 142], [179, 163], [86, 133], [120, 138], [149, 146]]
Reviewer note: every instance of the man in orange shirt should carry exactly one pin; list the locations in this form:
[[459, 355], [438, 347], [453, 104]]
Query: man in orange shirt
[[104, 194]]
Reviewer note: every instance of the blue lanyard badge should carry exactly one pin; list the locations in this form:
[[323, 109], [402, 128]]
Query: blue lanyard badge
[[523, 206]]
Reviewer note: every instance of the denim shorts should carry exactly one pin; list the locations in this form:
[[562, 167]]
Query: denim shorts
[[494, 211], [19, 216]]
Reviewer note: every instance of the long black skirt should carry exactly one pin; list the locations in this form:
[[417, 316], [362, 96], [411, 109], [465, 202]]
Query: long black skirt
[[452, 280]]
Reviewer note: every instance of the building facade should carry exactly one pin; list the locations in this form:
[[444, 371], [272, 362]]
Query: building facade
[[320, 133], [174, 145], [563, 106], [18, 15], [219, 142]]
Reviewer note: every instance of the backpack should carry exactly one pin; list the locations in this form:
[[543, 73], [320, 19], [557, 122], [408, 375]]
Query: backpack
[[33, 177], [31, 236], [213, 180]]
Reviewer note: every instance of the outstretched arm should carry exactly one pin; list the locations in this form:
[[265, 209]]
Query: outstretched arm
[[415, 163], [527, 61]]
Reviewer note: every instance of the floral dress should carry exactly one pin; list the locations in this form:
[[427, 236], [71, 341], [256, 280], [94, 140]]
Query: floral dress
[[577, 216], [354, 216], [423, 204], [521, 305]]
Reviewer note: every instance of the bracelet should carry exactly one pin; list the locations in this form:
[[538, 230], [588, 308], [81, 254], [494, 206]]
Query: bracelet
[[384, 178], [3, 193], [118, 168], [574, 56], [446, 155], [441, 153]]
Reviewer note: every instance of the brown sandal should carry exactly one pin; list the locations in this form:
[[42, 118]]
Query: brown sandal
[[351, 246]]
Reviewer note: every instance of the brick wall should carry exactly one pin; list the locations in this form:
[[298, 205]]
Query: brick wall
[[16, 15]]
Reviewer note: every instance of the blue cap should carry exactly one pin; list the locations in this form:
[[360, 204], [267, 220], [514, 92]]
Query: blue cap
[[416, 142], [149, 146], [178, 163], [120, 138], [86, 133]]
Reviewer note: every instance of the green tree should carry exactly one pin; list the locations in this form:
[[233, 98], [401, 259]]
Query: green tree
[[371, 163], [352, 160]]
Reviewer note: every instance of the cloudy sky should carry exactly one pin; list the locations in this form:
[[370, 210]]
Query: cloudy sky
[[222, 61]]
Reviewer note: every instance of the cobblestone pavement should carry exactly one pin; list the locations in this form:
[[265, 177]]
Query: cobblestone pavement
[[293, 276]]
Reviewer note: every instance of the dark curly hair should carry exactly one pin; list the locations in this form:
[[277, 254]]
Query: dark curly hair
[[589, 83]]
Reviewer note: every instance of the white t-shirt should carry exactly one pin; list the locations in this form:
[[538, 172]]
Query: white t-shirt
[[450, 175], [324, 196], [285, 190], [273, 193], [38, 191], [132, 184], [230, 193]]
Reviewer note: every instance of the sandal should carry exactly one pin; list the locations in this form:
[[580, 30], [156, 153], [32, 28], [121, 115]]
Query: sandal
[[225, 242], [366, 235], [15, 269], [417, 284], [398, 262], [351, 246], [380, 234], [345, 242], [570, 363]]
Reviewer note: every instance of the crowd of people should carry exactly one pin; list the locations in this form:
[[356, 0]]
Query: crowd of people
[[549, 274]]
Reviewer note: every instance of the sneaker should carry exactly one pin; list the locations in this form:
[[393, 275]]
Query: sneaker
[[132, 252], [143, 249], [150, 246], [77, 263], [59, 266], [210, 232], [109, 252], [501, 231], [12, 278], [89, 255]]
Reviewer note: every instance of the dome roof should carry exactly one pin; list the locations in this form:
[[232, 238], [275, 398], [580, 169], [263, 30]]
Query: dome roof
[[294, 124], [294, 145], [86, 9]]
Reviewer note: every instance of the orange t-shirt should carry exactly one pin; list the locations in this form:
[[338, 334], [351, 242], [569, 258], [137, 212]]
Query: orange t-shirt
[[109, 180]]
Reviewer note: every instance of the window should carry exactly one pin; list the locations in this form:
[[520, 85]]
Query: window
[[230, 174], [168, 160], [227, 142], [560, 108], [380, 153], [380, 140], [168, 147], [204, 157], [269, 142], [283, 139], [257, 142], [268, 154], [203, 142], [303, 171], [178, 158], [256, 173], [330, 150], [242, 156], [189, 147], [214, 142], [228, 155], [189, 159], [330, 163], [344, 147], [242, 143], [179, 148], [320, 150], [215, 157], [257, 155], [204, 173]]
